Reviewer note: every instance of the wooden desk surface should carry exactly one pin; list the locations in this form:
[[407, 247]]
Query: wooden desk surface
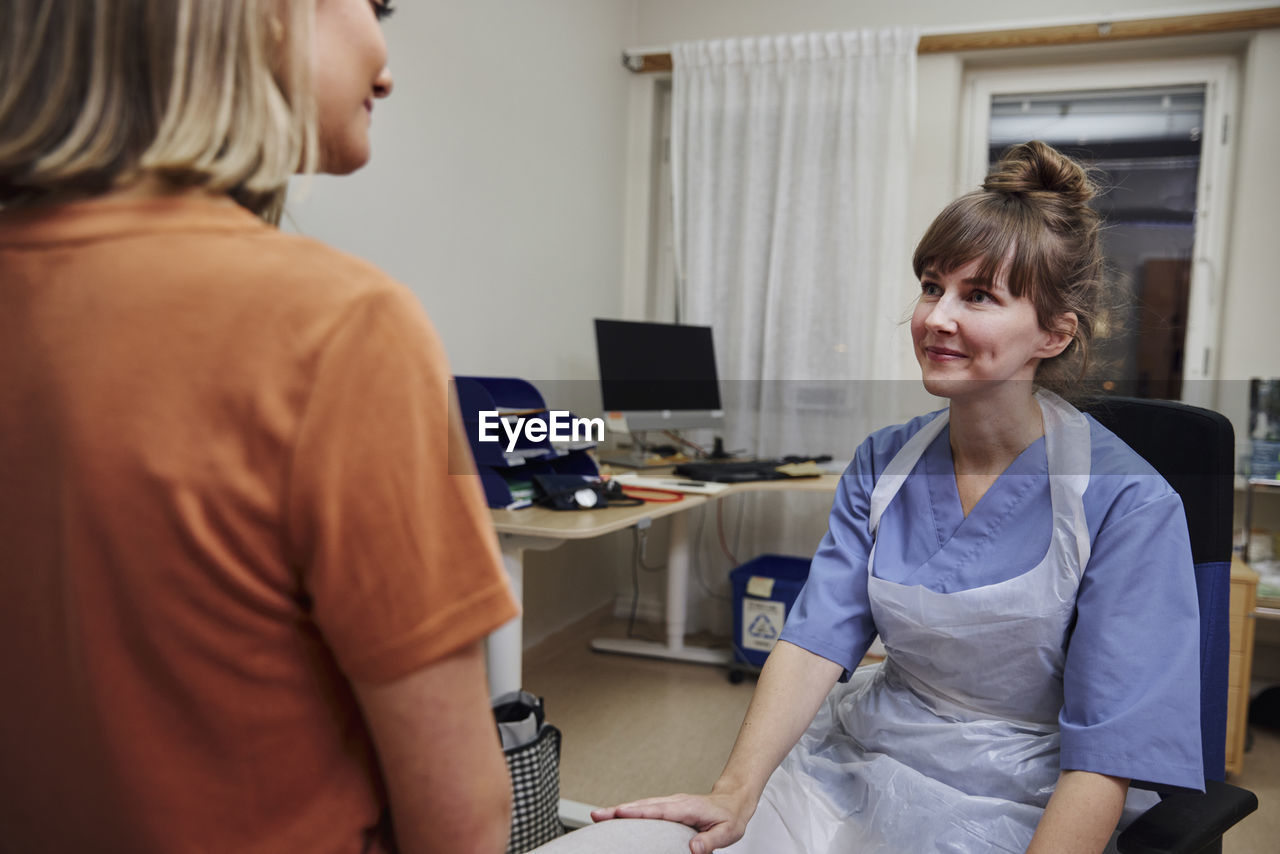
[[584, 524]]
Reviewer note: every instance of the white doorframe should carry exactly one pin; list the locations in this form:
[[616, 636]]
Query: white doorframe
[[1219, 76]]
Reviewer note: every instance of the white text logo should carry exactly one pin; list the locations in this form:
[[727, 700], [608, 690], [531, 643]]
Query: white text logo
[[557, 426]]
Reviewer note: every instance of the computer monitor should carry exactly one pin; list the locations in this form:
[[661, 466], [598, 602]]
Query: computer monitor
[[660, 376]]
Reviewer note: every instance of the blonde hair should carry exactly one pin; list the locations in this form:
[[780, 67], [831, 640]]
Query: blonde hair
[[198, 93], [1032, 221]]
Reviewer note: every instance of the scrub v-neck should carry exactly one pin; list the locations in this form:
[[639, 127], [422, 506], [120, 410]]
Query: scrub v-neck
[[1000, 498]]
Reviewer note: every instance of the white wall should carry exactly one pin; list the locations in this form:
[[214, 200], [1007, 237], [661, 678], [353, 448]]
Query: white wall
[[496, 193], [496, 185], [1251, 314]]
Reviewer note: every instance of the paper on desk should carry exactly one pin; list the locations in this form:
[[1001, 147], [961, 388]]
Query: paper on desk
[[806, 469], [677, 484]]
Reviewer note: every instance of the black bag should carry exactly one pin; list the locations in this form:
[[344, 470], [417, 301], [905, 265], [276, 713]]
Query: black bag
[[532, 749]]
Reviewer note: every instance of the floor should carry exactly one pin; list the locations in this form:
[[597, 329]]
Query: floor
[[637, 727]]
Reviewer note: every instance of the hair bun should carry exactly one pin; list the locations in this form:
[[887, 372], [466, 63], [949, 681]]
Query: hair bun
[[1034, 167]]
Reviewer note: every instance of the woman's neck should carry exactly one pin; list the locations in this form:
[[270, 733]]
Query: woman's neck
[[148, 186], [986, 436]]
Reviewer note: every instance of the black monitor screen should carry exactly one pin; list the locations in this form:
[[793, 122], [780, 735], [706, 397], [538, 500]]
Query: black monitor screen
[[656, 366]]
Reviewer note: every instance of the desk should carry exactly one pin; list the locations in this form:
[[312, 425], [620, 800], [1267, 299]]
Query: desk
[[541, 529]]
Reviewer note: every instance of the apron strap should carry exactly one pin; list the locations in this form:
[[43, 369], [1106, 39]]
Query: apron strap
[[1068, 446], [895, 474]]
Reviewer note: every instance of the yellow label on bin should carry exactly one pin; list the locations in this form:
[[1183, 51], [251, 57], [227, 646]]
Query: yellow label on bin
[[759, 585]]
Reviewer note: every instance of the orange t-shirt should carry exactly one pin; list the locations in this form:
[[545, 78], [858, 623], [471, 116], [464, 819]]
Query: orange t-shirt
[[229, 483]]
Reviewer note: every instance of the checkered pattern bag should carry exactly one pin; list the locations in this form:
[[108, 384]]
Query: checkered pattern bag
[[535, 786], [532, 748]]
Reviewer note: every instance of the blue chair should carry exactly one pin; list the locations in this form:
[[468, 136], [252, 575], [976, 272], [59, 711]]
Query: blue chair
[[1193, 449]]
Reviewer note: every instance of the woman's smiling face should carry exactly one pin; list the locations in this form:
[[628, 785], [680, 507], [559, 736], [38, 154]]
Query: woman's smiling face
[[349, 72], [972, 334]]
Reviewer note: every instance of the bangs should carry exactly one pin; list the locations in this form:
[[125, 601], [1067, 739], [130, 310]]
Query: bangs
[[1001, 233]]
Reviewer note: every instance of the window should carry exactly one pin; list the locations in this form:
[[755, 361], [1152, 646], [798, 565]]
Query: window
[[1159, 135]]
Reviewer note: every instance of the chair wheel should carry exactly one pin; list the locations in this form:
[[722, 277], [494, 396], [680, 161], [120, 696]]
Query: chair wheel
[[735, 676]]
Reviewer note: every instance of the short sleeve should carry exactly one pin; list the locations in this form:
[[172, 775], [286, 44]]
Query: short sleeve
[[832, 615], [1132, 675], [387, 521]]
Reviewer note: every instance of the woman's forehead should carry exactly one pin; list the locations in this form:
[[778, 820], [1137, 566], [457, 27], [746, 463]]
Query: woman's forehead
[[989, 269]]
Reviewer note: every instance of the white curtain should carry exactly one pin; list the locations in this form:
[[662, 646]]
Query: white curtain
[[790, 165]]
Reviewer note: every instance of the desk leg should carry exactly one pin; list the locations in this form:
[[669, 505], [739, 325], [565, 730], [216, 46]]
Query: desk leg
[[677, 611], [677, 582], [504, 650]]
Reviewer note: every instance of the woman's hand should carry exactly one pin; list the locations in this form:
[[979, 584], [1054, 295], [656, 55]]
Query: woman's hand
[[792, 686], [720, 819]]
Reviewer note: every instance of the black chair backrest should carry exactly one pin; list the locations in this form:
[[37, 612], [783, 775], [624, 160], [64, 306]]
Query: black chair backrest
[[1194, 449]]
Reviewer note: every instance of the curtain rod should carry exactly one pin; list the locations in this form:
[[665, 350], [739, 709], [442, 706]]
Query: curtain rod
[[648, 62]]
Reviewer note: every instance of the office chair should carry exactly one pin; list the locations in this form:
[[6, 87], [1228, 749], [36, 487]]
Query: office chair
[[1193, 449]]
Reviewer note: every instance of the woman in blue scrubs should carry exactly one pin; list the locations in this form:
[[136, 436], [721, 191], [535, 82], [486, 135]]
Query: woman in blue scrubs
[[1029, 575]]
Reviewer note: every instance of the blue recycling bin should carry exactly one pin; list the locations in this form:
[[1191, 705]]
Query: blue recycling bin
[[764, 589]]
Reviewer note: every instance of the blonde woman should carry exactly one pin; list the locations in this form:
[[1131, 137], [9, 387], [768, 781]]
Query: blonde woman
[[242, 597]]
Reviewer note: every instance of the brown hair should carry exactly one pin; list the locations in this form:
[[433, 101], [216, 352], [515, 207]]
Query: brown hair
[[1031, 221], [207, 93]]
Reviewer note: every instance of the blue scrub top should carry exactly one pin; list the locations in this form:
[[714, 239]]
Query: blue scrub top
[[1132, 675]]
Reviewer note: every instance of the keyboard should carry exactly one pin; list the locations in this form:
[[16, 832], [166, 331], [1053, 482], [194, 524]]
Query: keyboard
[[742, 471]]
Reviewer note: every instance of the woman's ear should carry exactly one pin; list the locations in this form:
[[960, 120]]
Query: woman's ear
[[1057, 338]]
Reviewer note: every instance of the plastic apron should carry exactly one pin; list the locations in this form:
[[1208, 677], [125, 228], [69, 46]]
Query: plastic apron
[[951, 744]]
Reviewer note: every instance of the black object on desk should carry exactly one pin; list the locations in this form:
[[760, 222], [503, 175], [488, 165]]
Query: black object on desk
[[742, 471], [579, 492]]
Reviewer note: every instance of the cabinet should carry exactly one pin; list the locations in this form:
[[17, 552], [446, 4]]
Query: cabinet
[[1244, 592]]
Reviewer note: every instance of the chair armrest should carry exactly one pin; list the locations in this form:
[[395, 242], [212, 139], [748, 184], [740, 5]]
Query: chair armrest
[[1186, 822]]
